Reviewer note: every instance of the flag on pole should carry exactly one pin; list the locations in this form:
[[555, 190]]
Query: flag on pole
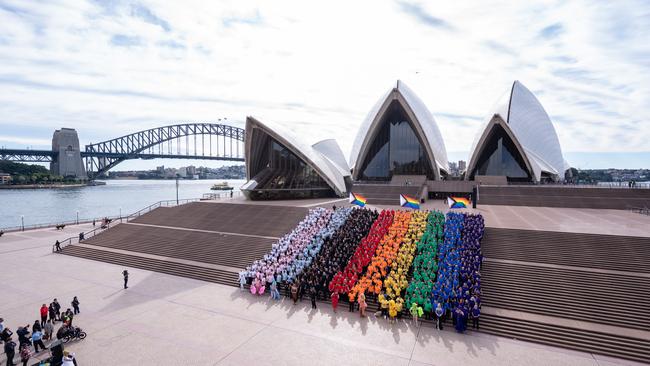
[[357, 199], [408, 201], [458, 202]]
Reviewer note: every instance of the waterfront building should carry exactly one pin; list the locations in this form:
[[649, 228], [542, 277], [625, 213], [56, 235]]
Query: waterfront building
[[398, 137], [279, 165], [517, 141]]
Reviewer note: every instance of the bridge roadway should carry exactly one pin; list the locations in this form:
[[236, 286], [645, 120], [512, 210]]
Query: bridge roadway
[[29, 155]]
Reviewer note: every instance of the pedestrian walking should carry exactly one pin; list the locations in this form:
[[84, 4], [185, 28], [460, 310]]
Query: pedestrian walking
[[25, 354], [68, 359], [439, 313], [23, 335], [52, 312], [10, 351], [242, 281], [475, 314], [335, 300], [36, 326], [75, 305], [5, 333], [57, 245], [294, 292], [416, 312], [37, 340], [125, 273], [57, 309], [275, 294], [44, 311], [48, 328], [361, 299], [312, 296]]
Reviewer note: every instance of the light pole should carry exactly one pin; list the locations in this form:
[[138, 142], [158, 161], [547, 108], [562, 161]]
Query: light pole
[[120, 214], [77, 217], [177, 176], [22, 222]]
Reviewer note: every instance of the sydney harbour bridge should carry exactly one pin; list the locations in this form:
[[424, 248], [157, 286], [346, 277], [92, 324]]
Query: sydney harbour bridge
[[206, 141]]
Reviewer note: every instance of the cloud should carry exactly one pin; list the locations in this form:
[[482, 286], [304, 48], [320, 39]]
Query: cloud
[[144, 13], [126, 41], [254, 19], [551, 31], [109, 68], [416, 11]]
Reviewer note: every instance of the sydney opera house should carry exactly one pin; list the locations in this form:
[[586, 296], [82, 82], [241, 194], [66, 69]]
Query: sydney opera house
[[399, 141]]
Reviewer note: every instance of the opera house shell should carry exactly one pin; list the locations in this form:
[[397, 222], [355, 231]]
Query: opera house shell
[[398, 137], [281, 166], [517, 141]]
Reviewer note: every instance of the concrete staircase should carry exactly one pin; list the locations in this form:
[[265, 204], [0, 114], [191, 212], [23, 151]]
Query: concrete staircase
[[579, 291], [564, 196]]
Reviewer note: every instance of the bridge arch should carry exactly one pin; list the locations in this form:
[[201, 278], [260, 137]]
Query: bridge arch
[[103, 156]]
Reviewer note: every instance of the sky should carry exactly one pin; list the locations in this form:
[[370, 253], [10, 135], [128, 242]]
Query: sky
[[109, 68]]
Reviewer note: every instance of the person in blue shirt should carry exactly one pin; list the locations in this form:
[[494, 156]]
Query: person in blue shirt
[[476, 313], [439, 314], [37, 340]]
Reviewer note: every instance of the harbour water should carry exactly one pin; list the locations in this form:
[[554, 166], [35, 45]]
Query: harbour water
[[41, 206]]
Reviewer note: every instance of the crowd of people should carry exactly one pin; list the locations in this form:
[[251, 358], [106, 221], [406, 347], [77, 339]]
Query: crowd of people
[[345, 280], [379, 267], [305, 258], [397, 280], [336, 252], [357, 252], [279, 260], [425, 265], [42, 330], [457, 290]]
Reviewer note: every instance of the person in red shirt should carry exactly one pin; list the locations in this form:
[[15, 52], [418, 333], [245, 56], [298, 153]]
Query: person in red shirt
[[335, 300], [44, 311]]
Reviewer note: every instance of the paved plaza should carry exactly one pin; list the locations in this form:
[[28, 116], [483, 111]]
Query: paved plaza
[[167, 320]]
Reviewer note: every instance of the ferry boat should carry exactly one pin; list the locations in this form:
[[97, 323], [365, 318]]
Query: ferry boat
[[223, 186]]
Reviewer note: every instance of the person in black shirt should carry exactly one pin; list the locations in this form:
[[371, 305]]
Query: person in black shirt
[[125, 273], [10, 351], [312, 296]]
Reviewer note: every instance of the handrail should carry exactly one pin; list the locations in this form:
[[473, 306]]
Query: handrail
[[53, 224], [603, 185], [164, 203], [89, 234], [220, 195]]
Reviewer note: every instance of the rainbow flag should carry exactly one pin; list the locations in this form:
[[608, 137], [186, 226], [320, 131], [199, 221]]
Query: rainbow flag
[[458, 202], [357, 199], [408, 201]]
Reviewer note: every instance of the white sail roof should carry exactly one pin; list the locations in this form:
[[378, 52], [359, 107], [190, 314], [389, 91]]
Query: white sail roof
[[322, 156], [425, 126], [531, 127]]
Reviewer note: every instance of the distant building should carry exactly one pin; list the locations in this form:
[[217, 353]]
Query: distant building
[[462, 165], [5, 178]]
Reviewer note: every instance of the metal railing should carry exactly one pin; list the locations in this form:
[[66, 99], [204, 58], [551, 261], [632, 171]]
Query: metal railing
[[165, 203], [54, 224], [615, 185], [86, 235], [220, 195]]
